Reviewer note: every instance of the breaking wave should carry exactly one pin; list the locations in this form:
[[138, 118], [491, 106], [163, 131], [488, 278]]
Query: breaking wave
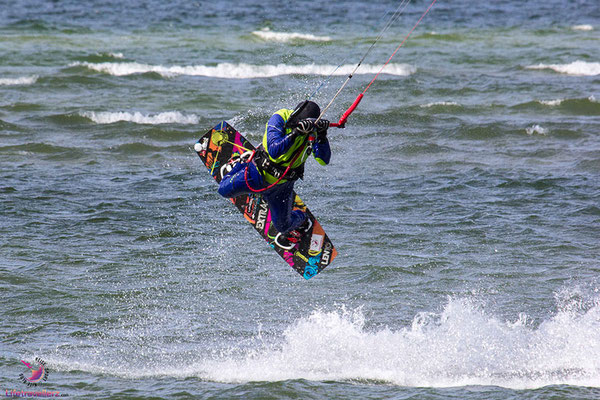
[[558, 102], [268, 34], [536, 129], [23, 80], [171, 117], [463, 344], [576, 106], [576, 68], [582, 27], [439, 103], [551, 103], [242, 70]]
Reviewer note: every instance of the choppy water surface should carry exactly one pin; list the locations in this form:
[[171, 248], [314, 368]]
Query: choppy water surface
[[463, 198]]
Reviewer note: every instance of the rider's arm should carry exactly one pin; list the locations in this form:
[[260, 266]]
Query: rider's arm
[[322, 151], [277, 141]]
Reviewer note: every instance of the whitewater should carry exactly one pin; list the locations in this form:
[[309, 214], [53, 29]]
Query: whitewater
[[463, 344], [462, 197], [242, 70]]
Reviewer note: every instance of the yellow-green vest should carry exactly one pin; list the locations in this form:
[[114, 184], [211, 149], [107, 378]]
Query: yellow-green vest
[[300, 145]]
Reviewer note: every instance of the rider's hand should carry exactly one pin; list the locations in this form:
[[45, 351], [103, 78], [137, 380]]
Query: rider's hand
[[305, 127], [322, 126]]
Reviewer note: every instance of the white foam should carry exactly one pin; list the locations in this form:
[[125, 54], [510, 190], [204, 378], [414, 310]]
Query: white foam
[[171, 117], [536, 129], [23, 80], [558, 102], [552, 103], [461, 345], [439, 103], [242, 70], [236, 120], [112, 55], [576, 68], [582, 27], [267, 34]]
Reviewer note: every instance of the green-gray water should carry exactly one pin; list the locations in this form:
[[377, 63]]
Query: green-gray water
[[463, 197]]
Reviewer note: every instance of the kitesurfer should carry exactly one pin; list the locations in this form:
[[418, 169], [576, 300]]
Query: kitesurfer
[[290, 136]]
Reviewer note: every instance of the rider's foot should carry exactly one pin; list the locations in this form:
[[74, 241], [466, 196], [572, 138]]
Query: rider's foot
[[288, 240]]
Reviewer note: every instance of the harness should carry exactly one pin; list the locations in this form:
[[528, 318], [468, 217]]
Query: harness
[[264, 164], [282, 175], [281, 168]]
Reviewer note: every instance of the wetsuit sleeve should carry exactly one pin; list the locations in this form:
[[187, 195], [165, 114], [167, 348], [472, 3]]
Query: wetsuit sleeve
[[322, 152], [277, 141]]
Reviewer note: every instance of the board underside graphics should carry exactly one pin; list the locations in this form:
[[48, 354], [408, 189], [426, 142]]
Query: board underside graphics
[[308, 257]]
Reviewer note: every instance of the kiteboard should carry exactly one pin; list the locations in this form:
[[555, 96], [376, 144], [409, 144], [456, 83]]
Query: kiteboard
[[218, 149]]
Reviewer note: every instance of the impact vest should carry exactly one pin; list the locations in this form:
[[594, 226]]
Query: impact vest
[[274, 167]]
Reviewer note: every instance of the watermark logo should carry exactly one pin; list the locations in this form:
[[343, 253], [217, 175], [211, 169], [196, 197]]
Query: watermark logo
[[37, 373]]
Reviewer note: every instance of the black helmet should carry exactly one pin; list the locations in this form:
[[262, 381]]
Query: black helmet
[[305, 109]]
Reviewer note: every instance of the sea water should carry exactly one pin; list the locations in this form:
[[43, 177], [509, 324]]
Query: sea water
[[463, 197]]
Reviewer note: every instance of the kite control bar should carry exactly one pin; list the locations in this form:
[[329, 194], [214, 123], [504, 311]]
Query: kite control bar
[[342, 122]]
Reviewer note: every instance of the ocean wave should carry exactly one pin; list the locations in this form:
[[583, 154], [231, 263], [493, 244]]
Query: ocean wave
[[451, 37], [100, 57], [23, 80], [551, 103], [574, 106], [46, 149], [582, 27], [439, 103], [461, 345], [7, 126], [171, 117], [576, 68], [558, 102], [242, 70], [268, 34], [109, 55], [536, 129]]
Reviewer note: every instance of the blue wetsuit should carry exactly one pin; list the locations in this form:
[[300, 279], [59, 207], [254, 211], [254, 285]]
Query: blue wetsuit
[[280, 197]]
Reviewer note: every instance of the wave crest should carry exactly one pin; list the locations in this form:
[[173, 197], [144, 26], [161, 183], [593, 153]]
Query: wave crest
[[540, 130], [463, 344], [268, 34], [576, 68], [171, 117], [242, 70], [584, 27], [439, 103], [23, 80]]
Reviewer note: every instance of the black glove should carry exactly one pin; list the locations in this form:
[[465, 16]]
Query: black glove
[[322, 127], [305, 127]]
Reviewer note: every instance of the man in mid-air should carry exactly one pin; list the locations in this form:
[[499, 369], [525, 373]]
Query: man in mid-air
[[290, 136]]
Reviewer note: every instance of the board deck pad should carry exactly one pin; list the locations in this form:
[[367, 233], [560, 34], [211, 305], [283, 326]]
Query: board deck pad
[[313, 252]]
